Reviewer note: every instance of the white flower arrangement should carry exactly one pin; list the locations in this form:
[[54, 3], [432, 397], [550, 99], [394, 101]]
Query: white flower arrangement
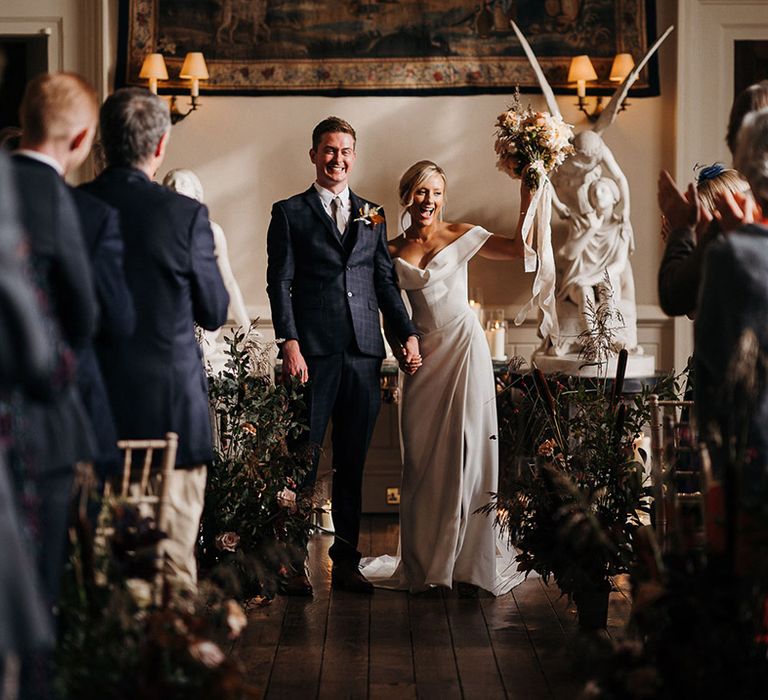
[[525, 137]]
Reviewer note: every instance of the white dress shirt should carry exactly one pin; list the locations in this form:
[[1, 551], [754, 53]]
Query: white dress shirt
[[327, 197], [42, 158]]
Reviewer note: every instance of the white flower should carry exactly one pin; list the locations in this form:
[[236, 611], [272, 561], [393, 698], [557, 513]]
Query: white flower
[[236, 619], [141, 592], [287, 499], [207, 653]]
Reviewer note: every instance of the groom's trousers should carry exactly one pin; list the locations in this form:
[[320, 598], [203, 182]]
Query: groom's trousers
[[344, 388]]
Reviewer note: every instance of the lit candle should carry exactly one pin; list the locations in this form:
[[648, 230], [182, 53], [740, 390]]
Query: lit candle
[[499, 343], [195, 92], [581, 88], [477, 309]]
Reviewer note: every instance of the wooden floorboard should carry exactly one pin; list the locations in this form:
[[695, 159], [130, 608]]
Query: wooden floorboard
[[299, 657], [519, 666], [478, 671], [397, 646], [548, 639]]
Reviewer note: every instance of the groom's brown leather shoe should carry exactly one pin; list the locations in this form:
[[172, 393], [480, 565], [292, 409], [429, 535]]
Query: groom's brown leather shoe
[[296, 585], [349, 578]]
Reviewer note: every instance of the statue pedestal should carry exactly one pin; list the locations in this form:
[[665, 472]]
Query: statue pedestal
[[572, 365]]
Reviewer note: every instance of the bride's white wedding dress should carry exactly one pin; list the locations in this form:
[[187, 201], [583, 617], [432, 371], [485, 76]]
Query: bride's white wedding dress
[[450, 453]]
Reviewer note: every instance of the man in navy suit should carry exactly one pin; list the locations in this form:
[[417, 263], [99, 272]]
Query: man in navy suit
[[328, 274], [155, 378], [58, 118]]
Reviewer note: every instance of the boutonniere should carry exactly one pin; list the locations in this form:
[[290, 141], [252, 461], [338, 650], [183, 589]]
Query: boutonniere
[[370, 215]]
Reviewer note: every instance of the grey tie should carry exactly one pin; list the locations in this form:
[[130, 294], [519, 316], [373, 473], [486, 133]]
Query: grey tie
[[337, 211]]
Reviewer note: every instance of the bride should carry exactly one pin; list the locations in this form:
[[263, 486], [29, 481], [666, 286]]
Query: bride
[[450, 453]]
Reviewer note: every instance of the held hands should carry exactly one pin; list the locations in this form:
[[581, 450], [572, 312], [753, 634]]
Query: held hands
[[410, 359], [294, 364]]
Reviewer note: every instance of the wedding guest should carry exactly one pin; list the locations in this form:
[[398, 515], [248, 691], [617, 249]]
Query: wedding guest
[[731, 331], [58, 118], [117, 319], [155, 379], [681, 264], [26, 362], [213, 343]]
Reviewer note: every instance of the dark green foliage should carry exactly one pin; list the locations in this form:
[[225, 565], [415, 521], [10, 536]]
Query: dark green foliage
[[261, 450], [571, 487]]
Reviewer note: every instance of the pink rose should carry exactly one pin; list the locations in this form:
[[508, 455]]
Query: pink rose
[[227, 541]]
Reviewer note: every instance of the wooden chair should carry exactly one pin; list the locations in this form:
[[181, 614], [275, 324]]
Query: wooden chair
[[145, 483], [680, 470]]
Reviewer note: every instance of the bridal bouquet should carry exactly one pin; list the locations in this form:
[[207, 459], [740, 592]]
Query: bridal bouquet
[[529, 146], [525, 137]]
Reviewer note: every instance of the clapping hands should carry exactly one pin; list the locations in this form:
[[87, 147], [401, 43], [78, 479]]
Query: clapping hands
[[735, 209], [680, 210]]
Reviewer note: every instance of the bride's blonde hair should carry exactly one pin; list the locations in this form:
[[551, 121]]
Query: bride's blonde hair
[[412, 178]]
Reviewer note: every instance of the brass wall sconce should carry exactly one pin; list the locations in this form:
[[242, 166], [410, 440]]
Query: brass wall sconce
[[581, 71], [193, 69]]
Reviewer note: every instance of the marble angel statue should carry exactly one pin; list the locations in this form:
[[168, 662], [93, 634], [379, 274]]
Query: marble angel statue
[[592, 194], [187, 183]]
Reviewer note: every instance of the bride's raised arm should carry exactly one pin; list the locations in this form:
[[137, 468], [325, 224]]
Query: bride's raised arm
[[503, 248]]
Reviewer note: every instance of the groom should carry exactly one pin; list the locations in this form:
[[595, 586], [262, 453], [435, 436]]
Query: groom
[[328, 274]]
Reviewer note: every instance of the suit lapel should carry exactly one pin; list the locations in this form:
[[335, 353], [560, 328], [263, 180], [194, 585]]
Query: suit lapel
[[313, 200], [354, 227]]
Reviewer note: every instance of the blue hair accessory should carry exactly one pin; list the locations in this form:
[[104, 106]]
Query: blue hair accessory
[[709, 172]]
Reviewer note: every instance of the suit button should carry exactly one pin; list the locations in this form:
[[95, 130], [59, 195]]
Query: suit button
[[349, 294], [348, 267]]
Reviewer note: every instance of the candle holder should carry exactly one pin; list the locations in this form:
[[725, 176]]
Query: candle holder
[[496, 333]]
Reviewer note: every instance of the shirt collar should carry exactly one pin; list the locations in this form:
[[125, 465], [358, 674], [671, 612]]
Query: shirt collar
[[42, 158], [327, 196]]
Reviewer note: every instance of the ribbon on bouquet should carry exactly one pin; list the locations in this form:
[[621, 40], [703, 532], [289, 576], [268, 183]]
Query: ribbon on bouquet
[[540, 260]]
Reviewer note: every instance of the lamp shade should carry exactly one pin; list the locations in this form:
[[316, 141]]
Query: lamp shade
[[622, 66], [154, 67], [581, 69], [194, 66]]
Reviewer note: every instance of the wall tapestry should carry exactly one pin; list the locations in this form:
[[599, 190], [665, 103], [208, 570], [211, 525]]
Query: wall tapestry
[[365, 47]]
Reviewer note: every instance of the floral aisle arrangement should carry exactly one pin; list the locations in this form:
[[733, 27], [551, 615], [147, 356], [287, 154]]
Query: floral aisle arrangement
[[700, 610], [116, 640], [530, 145], [254, 511], [572, 489]]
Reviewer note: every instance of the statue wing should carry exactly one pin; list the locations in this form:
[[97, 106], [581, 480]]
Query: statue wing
[[608, 115], [549, 96]]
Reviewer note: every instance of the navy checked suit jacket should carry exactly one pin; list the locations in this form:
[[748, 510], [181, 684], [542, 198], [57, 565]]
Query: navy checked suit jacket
[[318, 282], [155, 377]]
